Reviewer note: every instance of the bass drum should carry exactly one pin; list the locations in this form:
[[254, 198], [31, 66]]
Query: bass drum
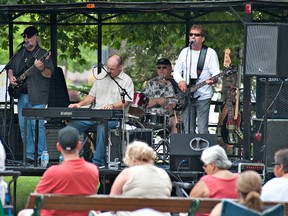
[[153, 120], [139, 105]]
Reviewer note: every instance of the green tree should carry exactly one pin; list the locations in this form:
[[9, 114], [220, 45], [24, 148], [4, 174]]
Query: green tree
[[140, 44]]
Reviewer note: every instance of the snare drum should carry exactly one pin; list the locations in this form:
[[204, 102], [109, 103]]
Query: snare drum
[[153, 119], [138, 107]]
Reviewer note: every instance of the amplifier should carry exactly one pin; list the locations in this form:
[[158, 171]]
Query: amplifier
[[116, 148], [51, 140], [257, 167]]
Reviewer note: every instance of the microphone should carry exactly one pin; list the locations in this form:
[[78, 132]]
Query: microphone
[[191, 42], [99, 65], [23, 42]]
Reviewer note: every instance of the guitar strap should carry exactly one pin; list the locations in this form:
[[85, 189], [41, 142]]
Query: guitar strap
[[201, 60], [174, 84]]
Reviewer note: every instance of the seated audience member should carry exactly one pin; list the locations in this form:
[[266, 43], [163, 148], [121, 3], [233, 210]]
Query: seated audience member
[[142, 178], [249, 186], [74, 176], [3, 184], [219, 181], [276, 189]]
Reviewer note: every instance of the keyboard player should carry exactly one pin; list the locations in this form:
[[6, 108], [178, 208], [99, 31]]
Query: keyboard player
[[105, 94]]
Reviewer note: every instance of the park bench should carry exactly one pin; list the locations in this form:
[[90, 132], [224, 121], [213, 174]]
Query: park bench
[[121, 203]]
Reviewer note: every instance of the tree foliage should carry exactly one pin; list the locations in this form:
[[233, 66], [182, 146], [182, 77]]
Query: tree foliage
[[140, 44]]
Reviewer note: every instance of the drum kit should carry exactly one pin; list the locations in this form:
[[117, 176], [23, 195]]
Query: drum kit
[[159, 124]]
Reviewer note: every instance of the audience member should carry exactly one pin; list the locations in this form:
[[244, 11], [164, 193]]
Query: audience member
[[249, 186], [105, 94], [276, 189], [3, 184], [74, 176], [219, 181], [142, 178]]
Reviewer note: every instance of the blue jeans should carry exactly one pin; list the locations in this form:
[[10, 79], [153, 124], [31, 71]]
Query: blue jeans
[[100, 150], [23, 102], [200, 111]]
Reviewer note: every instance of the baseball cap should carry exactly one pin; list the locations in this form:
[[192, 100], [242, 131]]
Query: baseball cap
[[68, 138], [30, 31], [163, 61]]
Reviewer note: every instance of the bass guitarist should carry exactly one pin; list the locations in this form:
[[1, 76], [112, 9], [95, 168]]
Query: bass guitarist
[[29, 72], [196, 64]]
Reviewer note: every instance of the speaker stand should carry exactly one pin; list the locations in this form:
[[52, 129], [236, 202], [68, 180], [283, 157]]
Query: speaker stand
[[265, 124]]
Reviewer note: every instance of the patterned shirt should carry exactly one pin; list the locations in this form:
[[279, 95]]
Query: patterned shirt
[[156, 88]]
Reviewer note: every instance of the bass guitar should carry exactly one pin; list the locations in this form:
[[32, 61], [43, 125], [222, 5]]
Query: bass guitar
[[21, 80], [183, 97], [231, 129]]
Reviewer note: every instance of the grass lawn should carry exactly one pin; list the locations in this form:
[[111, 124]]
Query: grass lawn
[[25, 185]]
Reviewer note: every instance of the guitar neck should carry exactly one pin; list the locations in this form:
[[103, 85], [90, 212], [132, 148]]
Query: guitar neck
[[30, 69], [25, 74], [199, 85]]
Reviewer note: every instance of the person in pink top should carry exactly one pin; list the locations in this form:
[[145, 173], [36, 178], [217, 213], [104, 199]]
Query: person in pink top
[[74, 176], [219, 181]]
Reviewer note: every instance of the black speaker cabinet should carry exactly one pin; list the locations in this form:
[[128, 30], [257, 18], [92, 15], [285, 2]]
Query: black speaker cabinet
[[12, 141], [277, 138], [266, 50], [271, 98], [186, 149], [51, 140], [117, 150]]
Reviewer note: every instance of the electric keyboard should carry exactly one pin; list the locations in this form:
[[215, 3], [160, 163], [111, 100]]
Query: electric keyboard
[[71, 113]]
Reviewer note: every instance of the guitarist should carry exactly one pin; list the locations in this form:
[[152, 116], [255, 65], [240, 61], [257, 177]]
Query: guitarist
[[32, 92], [195, 64]]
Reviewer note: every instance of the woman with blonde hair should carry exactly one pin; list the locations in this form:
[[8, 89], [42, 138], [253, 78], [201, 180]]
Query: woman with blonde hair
[[249, 185], [142, 178]]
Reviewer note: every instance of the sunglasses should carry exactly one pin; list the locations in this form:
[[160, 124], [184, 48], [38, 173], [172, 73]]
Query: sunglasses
[[163, 67], [204, 165], [195, 34], [24, 36]]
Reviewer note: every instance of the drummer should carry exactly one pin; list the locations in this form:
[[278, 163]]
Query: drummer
[[161, 93]]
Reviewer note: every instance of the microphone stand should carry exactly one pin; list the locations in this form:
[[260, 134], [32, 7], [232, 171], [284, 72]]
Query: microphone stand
[[188, 91], [122, 94]]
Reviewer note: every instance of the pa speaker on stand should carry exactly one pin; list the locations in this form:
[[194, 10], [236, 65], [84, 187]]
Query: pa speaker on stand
[[266, 50]]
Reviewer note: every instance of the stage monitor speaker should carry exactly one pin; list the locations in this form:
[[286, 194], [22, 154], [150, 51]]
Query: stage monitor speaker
[[51, 140], [266, 50], [186, 149], [117, 151], [271, 98], [277, 138]]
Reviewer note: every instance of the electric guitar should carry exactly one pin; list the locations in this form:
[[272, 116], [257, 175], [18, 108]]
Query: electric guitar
[[232, 119], [182, 103], [21, 80]]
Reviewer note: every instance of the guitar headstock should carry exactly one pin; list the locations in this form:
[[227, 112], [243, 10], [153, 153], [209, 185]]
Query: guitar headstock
[[227, 60]]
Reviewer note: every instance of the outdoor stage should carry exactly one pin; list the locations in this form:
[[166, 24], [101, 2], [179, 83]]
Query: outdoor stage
[[107, 176]]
